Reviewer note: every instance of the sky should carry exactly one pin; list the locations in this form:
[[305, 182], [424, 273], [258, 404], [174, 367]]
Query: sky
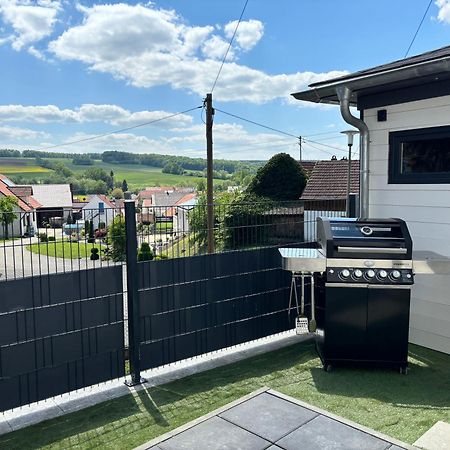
[[71, 70]]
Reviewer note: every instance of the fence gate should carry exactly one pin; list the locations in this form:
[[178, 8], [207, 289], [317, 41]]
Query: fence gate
[[59, 333]]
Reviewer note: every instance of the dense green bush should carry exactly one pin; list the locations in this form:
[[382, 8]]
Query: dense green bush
[[94, 254], [282, 178], [145, 252], [117, 239]]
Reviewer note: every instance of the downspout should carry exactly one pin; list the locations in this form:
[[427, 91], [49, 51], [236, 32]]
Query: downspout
[[343, 93]]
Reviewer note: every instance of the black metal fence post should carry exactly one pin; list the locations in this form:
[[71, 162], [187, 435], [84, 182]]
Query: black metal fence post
[[352, 205], [134, 338]]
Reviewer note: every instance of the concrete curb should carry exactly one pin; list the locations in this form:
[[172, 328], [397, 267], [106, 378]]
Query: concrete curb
[[35, 413]]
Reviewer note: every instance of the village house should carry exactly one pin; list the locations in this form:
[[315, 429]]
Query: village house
[[25, 222]]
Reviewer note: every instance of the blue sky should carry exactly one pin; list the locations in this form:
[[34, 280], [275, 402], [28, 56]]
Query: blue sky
[[71, 70]]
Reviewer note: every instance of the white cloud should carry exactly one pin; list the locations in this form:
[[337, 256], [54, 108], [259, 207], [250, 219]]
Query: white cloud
[[215, 47], [111, 114], [31, 21], [15, 133], [444, 10], [248, 33], [149, 47]]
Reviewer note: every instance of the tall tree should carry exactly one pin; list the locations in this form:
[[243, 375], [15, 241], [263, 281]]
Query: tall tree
[[282, 178], [7, 214], [124, 186]]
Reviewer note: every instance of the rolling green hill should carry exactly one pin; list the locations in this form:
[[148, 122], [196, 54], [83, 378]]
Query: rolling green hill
[[137, 175]]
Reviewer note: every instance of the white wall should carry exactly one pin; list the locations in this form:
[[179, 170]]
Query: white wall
[[91, 211], [426, 209]]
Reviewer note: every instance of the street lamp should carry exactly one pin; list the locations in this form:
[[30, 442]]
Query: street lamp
[[350, 134]]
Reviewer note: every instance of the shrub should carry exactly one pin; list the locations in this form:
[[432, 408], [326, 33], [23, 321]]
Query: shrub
[[43, 237], [145, 253], [51, 239], [94, 254], [117, 239]]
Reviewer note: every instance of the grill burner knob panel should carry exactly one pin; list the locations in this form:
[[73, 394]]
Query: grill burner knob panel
[[382, 274], [357, 273]]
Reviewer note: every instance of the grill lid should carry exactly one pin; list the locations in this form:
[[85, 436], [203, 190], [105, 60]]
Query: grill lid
[[364, 238]]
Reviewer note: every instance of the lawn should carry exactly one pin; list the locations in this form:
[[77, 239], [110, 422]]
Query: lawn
[[63, 249], [400, 406], [164, 227]]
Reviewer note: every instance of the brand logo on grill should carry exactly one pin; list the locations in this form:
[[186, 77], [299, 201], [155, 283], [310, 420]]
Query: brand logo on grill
[[369, 263]]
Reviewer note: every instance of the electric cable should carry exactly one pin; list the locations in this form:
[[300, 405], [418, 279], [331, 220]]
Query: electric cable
[[418, 28], [98, 136], [229, 46]]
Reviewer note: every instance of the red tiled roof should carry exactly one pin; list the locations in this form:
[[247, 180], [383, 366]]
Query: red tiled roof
[[307, 167], [328, 180], [106, 200], [147, 193], [4, 189], [21, 191]]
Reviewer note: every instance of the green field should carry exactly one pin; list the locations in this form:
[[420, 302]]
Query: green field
[[20, 166], [137, 176]]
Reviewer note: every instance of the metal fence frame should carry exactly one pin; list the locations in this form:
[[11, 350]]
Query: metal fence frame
[[246, 313]]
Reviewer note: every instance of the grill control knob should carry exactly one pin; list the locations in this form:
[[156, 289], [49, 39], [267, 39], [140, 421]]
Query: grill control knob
[[357, 273], [370, 273], [345, 273], [395, 274], [382, 274]]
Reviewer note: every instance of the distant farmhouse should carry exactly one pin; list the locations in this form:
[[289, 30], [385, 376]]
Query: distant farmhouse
[[25, 223]]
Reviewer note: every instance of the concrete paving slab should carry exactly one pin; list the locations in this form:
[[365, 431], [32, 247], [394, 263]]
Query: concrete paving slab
[[268, 416], [215, 434], [436, 438], [332, 432], [323, 433]]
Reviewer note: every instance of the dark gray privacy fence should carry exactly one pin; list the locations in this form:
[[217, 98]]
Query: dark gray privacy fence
[[62, 319], [190, 306], [59, 333]]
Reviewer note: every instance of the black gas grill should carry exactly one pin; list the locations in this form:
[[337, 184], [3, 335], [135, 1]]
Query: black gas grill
[[363, 296]]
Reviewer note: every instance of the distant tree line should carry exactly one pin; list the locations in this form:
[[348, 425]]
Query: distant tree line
[[170, 163]]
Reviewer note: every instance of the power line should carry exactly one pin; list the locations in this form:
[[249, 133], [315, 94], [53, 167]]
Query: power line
[[418, 28], [229, 46], [98, 136], [325, 145], [258, 124]]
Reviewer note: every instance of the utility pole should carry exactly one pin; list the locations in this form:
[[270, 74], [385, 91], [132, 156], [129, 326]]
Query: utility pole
[[300, 147], [209, 173]]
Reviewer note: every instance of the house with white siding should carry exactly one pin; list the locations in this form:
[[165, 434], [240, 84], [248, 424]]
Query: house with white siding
[[100, 209], [404, 116], [24, 223]]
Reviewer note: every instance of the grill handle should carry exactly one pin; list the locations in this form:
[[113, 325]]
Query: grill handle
[[390, 250]]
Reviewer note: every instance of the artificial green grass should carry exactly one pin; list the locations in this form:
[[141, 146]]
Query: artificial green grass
[[400, 406], [63, 249]]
